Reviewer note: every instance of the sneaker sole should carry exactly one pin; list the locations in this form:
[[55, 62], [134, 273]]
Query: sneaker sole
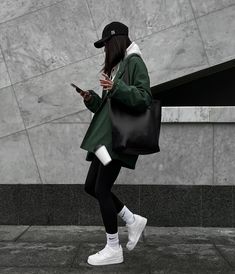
[[141, 229], [117, 260]]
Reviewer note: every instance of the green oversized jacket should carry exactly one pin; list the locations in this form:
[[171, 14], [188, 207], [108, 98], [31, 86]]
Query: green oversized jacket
[[137, 95]]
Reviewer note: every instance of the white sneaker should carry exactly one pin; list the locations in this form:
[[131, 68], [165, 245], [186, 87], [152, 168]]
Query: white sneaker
[[106, 256], [135, 230]]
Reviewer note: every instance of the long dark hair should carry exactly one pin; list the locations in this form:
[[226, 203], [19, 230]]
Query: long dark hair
[[115, 49]]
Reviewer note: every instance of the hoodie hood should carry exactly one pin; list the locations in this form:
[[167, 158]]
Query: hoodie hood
[[133, 48]]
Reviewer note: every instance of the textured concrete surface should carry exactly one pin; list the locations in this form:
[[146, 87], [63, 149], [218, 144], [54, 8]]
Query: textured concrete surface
[[64, 249], [202, 7], [217, 40], [17, 162], [9, 112], [191, 154], [207, 114], [49, 96], [4, 80], [178, 50]]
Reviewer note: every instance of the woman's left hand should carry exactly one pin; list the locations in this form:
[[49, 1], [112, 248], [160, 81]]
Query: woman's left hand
[[106, 83]]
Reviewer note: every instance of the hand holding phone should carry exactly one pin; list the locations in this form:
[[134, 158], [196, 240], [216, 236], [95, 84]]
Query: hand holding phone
[[85, 94], [76, 87]]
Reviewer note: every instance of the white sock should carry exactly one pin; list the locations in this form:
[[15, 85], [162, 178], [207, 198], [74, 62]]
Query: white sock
[[113, 240], [127, 215]]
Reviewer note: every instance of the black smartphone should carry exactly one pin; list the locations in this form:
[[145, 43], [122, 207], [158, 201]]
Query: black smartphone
[[77, 88]]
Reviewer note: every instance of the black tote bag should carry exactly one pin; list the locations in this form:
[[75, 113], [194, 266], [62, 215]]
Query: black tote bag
[[134, 132]]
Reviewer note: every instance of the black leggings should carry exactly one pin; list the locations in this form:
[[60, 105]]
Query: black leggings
[[98, 184]]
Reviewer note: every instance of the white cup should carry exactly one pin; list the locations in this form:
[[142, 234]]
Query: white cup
[[102, 153]]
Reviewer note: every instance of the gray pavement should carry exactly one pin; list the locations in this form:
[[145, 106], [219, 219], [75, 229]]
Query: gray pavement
[[64, 249]]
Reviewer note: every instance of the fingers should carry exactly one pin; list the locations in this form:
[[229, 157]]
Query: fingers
[[106, 76], [85, 94], [106, 81], [108, 84]]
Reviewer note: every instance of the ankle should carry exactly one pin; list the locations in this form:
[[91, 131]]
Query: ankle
[[113, 240], [127, 215]]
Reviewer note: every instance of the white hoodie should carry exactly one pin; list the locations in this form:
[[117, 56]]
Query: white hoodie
[[133, 48]]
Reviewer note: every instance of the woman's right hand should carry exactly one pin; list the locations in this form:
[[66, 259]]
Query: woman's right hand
[[86, 95]]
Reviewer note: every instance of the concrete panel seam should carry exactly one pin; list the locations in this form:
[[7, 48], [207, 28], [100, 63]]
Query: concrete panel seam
[[92, 19], [31, 148], [4, 136], [48, 122], [211, 12], [22, 233], [222, 256], [64, 66], [199, 31], [21, 116], [33, 11], [58, 118], [170, 27], [4, 60]]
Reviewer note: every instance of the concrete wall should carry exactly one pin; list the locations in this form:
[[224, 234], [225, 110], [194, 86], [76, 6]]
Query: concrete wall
[[46, 44]]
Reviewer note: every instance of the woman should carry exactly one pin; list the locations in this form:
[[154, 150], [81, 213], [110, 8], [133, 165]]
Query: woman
[[100, 178]]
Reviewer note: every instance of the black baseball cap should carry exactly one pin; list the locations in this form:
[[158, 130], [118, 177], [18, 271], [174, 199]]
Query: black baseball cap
[[114, 28]]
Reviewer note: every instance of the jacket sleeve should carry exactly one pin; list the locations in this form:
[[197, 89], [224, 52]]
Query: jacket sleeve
[[138, 94], [94, 103]]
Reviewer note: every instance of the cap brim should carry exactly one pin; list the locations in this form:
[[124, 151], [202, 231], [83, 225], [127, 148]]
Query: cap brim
[[100, 43]]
